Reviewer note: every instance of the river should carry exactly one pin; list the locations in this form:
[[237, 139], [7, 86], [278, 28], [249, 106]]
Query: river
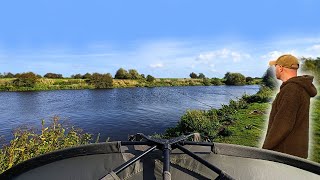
[[114, 113]]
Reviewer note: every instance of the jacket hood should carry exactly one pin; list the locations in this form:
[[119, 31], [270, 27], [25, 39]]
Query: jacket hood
[[305, 82]]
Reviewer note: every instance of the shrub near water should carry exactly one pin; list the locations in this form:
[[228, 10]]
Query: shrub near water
[[210, 123], [27, 143], [263, 95]]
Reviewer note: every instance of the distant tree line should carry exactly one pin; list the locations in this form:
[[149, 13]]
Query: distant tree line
[[29, 79], [195, 76], [229, 79]]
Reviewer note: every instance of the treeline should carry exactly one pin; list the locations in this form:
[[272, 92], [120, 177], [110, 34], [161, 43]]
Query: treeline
[[32, 81], [228, 79], [120, 74]]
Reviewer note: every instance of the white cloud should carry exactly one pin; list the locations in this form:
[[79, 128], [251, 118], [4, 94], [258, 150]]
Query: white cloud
[[158, 65], [275, 54], [315, 47], [224, 53]]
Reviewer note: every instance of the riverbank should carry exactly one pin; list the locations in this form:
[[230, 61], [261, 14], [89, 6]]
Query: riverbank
[[243, 122], [64, 84]]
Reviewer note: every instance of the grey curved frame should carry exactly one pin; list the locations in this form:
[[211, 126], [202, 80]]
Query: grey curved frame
[[106, 148]]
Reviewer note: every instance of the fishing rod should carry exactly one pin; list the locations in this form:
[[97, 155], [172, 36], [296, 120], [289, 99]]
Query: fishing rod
[[194, 99], [201, 101]]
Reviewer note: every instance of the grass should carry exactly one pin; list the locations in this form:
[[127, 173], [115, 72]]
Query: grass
[[29, 142], [68, 83], [315, 142], [243, 125], [249, 128]]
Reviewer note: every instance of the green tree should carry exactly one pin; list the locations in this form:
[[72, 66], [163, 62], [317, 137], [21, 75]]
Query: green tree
[[134, 74], [28, 79], [121, 74], [193, 75], [235, 79], [86, 76], [201, 76], [250, 80], [53, 76], [76, 76], [8, 75], [143, 76], [101, 81], [150, 78], [17, 75]]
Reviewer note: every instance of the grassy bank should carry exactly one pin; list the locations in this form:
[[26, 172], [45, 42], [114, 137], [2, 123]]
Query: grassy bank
[[46, 84], [60, 84], [315, 142], [242, 122]]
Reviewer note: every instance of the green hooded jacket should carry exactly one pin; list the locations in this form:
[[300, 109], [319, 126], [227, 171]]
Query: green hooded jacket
[[288, 128]]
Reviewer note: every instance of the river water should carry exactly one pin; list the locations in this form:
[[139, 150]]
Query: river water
[[114, 113]]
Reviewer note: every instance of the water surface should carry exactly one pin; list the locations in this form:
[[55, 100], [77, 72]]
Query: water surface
[[114, 113]]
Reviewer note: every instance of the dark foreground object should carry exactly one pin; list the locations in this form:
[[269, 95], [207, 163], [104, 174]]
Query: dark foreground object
[[177, 158]]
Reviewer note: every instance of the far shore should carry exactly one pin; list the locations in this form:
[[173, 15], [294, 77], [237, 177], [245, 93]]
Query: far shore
[[68, 83]]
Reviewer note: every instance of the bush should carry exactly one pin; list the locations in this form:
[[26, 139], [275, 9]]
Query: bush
[[262, 96], [28, 79], [150, 78], [216, 81], [134, 74], [76, 76], [197, 121], [29, 143], [122, 74], [225, 132], [206, 82], [193, 75], [53, 76], [234, 79], [86, 76], [210, 123], [8, 75], [201, 76], [101, 81]]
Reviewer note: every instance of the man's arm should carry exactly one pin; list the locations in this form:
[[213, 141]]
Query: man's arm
[[285, 118]]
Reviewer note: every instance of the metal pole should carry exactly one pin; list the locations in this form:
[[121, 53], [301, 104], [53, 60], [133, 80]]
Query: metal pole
[[133, 160], [166, 160], [222, 175], [166, 163]]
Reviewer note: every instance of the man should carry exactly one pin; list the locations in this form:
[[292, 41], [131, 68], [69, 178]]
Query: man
[[288, 128]]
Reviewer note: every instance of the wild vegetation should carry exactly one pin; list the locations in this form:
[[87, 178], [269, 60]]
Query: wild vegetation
[[215, 122], [51, 81], [28, 142]]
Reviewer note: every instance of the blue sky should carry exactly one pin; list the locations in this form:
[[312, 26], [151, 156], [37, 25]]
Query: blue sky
[[167, 38]]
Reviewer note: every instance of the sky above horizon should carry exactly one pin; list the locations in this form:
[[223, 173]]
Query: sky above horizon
[[162, 38]]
